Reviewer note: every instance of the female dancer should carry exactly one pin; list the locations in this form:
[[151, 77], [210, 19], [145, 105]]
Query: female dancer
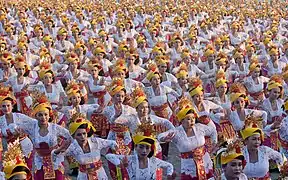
[[256, 155], [44, 135], [189, 138], [86, 149]]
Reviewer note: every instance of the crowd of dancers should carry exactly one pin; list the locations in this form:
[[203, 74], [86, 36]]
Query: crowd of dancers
[[83, 81]]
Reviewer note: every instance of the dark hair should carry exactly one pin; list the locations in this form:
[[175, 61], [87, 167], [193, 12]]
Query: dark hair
[[246, 102], [150, 141], [20, 169], [26, 74], [85, 126]]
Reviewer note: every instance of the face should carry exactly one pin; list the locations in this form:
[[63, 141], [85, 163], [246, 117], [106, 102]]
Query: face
[[73, 65], [76, 99], [81, 136], [198, 97], [100, 55], [20, 71], [188, 121], [119, 97], [239, 60], [43, 117], [239, 103], [177, 43], [143, 109], [182, 81], [48, 79], [162, 68], [94, 72], [79, 51], [130, 60], [20, 177], [143, 150], [23, 50], [222, 89], [221, 65], [275, 93], [6, 65], [6, 107], [233, 168], [256, 73], [274, 57], [211, 58], [155, 81], [254, 141], [120, 74]]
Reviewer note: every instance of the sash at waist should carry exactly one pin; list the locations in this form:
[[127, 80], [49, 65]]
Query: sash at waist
[[118, 128], [159, 108], [197, 153], [99, 94], [92, 167], [21, 94]]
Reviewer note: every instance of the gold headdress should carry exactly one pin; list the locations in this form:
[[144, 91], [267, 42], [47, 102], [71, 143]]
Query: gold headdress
[[152, 71], [220, 78], [253, 125], [40, 103], [195, 86], [14, 162], [72, 57], [184, 106], [138, 96], [6, 57], [45, 68], [116, 86], [237, 90], [233, 151], [182, 71], [77, 120], [274, 82], [73, 89], [6, 93]]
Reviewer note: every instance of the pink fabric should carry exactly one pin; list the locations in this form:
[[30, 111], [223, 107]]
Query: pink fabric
[[39, 175]]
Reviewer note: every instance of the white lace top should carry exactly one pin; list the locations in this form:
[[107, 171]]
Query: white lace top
[[134, 122], [127, 111], [26, 144], [31, 127], [96, 145], [238, 124], [268, 108], [141, 174], [252, 87], [99, 88], [188, 144], [260, 168]]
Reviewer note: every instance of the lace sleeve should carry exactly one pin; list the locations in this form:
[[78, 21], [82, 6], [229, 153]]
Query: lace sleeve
[[164, 165], [209, 131], [274, 155], [164, 134], [103, 143], [60, 131], [114, 159], [235, 121], [164, 122], [26, 123]]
